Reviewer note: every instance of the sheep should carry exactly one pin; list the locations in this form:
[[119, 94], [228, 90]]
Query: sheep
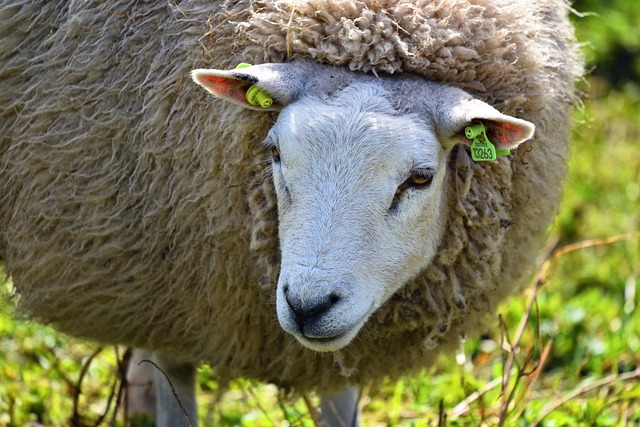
[[359, 241]]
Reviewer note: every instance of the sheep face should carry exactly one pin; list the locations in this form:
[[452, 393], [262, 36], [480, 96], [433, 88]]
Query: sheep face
[[359, 204], [358, 166]]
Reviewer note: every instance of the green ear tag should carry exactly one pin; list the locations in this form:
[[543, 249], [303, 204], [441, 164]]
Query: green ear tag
[[482, 150], [256, 95]]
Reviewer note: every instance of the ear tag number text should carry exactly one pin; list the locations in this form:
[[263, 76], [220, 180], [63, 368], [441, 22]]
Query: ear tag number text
[[482, 150]]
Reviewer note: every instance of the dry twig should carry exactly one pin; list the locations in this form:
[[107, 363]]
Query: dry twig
[[173, 390], [313, 411], [635, 374], [123, 365], [76, 419], [546, 270]]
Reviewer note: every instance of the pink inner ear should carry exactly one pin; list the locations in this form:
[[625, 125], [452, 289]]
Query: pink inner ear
[[505, 135], [219, 85], [227, 88]]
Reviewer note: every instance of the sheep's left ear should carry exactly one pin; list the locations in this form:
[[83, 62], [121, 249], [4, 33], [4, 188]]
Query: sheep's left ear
[[280, 84], [456, 113]]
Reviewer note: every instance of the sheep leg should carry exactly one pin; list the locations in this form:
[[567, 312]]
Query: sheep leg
[[175, 393], [141, 392], [340, 410]]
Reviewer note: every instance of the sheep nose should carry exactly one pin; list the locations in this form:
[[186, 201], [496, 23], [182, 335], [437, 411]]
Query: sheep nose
[[306, 310]]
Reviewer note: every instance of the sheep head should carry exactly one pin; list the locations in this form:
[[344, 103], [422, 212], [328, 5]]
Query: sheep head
[[359, 164]]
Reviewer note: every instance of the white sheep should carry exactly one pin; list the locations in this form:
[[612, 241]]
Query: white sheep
[[358, 165], [136, 211]]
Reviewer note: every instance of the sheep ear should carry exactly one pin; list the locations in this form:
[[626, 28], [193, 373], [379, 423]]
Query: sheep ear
[[505, 132], [271, 86]]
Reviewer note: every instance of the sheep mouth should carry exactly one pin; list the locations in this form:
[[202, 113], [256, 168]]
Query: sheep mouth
[[332, 342], [327, 331], [325, 344], [324, 340]]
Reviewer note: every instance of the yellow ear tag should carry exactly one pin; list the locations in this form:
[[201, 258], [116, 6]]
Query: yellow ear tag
[[256, 95], [482, 150]]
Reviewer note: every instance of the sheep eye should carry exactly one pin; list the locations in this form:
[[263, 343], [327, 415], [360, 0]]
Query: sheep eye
[[420, 178], [276, 154]]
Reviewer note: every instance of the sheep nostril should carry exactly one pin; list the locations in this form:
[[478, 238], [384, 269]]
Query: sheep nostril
[[334, 298], [306, 310]]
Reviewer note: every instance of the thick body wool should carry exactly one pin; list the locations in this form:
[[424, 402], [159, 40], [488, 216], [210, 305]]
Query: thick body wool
[[134, 209]]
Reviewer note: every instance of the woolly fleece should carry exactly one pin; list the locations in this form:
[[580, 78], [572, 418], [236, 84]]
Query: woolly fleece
[[136, 209]]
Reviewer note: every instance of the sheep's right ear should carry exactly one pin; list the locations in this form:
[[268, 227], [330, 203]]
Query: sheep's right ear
[[271, 86]]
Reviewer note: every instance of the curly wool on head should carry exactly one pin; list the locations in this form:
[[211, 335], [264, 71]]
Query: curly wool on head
[[135, 210]]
